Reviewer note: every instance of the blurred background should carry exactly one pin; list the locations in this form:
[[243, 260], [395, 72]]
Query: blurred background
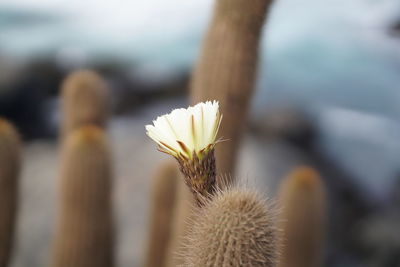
[[328, 94]]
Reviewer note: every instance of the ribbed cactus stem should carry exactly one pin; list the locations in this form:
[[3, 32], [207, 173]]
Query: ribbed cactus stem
[[84, 234], [226, 69], [303, 218], [9, 172], [236, 228], [85, 100], [163, 202]]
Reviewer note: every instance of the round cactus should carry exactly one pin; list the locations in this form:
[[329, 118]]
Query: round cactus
[[236, 228]]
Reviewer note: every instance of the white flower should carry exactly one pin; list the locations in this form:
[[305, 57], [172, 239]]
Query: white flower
[[187, 132]]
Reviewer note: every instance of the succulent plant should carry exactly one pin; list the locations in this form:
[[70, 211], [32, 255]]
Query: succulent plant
[[85, 100], [303, 218], [236, 228], [183, 211], [163, 201], [190, 135], [10, 150], [84, 233], [226, 69]]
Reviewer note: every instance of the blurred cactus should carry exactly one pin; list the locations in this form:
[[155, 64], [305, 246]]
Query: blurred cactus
[[85, 100], [84, 236], [182, 214], [226, 72], [161, 214], [227, 67], [303, 218], [9, 172], [236, 228]]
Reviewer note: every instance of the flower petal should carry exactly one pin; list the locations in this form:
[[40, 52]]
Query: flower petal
[[187, 131]]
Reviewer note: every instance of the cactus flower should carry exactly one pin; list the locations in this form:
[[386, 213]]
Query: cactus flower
[[184, 133], [190, 136]]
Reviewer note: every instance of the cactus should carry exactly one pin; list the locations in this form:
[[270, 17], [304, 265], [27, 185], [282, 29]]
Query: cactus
[[227, 67], [302, 196], [225, 72], [162, 209], [85, 100], [236, 228], [182, 213], [84, 234], [9, 172]]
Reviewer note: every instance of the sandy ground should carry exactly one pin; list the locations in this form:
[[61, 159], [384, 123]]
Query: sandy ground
[[135, 158]]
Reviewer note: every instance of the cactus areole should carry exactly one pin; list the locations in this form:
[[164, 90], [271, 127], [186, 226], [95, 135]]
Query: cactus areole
[[190, 135]]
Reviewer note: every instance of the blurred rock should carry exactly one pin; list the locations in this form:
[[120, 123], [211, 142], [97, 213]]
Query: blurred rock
[[285, 123], [394, 29], [380, 237], [10, 70], [22, 103], [26, 91], [394, 194]]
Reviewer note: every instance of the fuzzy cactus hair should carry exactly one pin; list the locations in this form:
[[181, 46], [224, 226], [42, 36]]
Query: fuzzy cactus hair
[[236, 228]]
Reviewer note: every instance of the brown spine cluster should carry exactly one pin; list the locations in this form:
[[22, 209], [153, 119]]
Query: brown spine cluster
[[9, 172], [84, 234], [303, 218], [199, 175], [236, 228], [226, 69], [163, 202], [85, 100]]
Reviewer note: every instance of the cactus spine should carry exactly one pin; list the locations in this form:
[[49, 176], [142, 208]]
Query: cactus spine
[[9, 172], [84, 235], [85, 100], [161, 216], [227, 67], [303, 218], [236, 228]]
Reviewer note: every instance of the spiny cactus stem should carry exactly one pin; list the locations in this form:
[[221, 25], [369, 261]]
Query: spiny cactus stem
[[226, 69], [237, 227], [200, 175]]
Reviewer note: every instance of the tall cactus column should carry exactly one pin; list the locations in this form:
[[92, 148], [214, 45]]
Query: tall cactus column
[[163, 202], [303, 219], [180, 226], [84, 234], [85, 100], [226, 69], [9, 171]]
